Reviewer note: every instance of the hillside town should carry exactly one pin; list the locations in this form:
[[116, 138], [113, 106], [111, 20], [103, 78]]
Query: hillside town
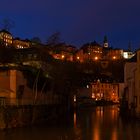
[[32, 73]]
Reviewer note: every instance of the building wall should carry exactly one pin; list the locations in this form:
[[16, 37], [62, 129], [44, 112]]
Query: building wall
[[4, 84], [121, 90], [107, 91], [63, 56], [21, 81], [6, 38], [10, 81], [129, 79], [20, 44], [132, 83], [137, 85], [79, 56], [98, 53], [114, 54], [14, 89]]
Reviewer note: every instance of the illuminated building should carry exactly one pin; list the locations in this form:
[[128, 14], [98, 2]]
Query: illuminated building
[[6, 38], [127, 54], [79, 56], [21, 44], [114, 54], [63, 52], [94, 51], [91, 51], [106, 91]]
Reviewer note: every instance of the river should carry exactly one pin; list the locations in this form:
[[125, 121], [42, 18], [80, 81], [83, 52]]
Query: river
[[97, 123]]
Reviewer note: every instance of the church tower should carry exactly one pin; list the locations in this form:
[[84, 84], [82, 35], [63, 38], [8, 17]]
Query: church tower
[[105, 45]]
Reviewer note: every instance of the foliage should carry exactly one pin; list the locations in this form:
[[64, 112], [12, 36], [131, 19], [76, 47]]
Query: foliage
[[30, 74]]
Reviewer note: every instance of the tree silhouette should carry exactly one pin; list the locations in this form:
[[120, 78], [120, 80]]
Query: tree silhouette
[[36, 40], [54, 39], [7, 24]]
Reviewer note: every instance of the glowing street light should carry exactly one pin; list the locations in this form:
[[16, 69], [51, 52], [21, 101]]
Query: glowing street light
[[62, 56], [96, 58], [78, 57], [74, 98], [114, 57]]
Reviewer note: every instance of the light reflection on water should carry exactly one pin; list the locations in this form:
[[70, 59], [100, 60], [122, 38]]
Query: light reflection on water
[[100, 123]]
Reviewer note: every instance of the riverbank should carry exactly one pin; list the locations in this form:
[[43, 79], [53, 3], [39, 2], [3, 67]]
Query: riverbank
[[20, 116]]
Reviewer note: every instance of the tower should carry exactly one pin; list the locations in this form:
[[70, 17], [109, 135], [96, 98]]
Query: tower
[[105, 45]]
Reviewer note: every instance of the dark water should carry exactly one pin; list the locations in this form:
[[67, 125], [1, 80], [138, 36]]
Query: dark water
[[100, 123]]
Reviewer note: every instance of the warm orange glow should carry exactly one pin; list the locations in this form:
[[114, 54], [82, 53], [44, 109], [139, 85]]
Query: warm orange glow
[[96, 58], [62, 56], [13, 82], [78, 57], [114, 135], [106, 91], [93, 95], [114, 57], [96, 133], [74, 98], [74, 119]]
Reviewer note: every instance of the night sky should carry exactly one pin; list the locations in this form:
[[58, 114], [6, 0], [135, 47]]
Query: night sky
[[78, 21]]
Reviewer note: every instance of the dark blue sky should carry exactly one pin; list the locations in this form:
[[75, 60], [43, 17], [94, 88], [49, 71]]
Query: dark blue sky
[[78, 21]]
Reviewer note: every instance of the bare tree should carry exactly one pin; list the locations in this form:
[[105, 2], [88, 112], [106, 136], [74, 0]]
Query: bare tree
[[7, 24], [36, 40], [54, 39]]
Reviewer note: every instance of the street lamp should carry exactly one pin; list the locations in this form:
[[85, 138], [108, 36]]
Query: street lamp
[[62, 56], [78, 57], [114, 57], [96, 58]]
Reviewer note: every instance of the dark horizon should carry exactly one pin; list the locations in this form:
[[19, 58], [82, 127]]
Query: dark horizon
[[78, 21]]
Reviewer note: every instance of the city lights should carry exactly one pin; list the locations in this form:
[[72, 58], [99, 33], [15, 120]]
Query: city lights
[[63, 56], [78, 57], [114, 57], [96, 58]]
